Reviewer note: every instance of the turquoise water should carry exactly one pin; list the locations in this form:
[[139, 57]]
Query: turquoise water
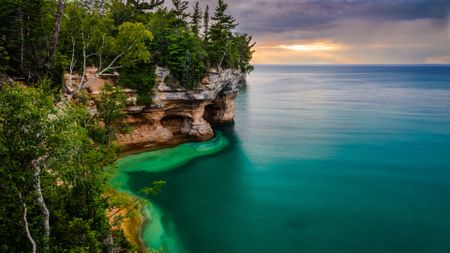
[[321, 159]]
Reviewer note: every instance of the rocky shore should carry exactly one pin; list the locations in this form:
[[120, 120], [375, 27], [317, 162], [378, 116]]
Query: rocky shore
[[179, 115], [176, 115]]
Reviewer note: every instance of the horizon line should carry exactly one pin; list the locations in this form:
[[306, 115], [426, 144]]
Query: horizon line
[[354, 64]]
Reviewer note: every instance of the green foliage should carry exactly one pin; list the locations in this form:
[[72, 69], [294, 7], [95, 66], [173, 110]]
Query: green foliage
[[132, 41], [155, 189], [186, 59], [206, 23], [26, 28], [111, 111], [132, 10], [162, 25], [72, 178], [141, 77], [4, 57], [119, 36], [179, 11], [176, 47], [196, 19], [221, 37]]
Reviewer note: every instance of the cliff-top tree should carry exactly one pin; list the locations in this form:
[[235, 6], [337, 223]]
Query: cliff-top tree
[[145, 5], [206, 23], [220, 36], [196, 19], [180, 11]]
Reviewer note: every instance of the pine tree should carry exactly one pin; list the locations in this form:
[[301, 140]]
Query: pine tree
[[179, 9], [143, 5], [223, 22], [206, 23], [195, 19], [221, 34]]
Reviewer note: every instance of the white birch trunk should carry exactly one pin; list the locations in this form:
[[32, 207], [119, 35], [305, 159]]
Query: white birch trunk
[[26, 225], [40, 198]]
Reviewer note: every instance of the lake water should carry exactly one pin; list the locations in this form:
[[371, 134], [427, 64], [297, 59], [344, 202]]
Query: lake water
[[321, 159]]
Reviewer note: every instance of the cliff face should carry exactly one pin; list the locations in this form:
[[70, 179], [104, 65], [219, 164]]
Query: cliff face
[[179, 115]]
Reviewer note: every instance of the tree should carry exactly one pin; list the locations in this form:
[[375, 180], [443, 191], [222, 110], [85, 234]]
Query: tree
[[26, 26], [179, 10], [244, 51], [206, 23], [26, 127], [195, 19], [141, 77], [111, 111], [48, 157], [220, 34], [162, 25], [186, 60], [143, 5], [4, 57], [55, 36]]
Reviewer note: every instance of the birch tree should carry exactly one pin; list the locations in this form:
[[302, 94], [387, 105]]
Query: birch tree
[[25, 125]]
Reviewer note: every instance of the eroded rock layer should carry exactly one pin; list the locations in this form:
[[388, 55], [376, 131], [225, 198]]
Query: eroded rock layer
[[178, 115]]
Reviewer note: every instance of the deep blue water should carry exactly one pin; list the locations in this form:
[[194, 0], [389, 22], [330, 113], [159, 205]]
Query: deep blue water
[[322, 159]]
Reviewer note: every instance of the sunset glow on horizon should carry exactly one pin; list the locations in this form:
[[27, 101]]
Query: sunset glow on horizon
[[312, 47], [345, 32]]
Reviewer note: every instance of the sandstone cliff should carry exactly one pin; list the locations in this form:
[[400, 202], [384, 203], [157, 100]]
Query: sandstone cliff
[[177, 115]]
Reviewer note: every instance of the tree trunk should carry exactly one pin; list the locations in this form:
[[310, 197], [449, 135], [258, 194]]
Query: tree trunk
[[26, 226], [21, 39], [84, 60], [109, 242], [55, 37], [101, 72], [72, 64], [40, 200], [221, 61]]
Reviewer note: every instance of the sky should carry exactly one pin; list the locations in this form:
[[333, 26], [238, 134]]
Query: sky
[[345, 31]]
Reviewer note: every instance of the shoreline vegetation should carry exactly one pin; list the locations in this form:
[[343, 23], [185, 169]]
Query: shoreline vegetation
[[135, 218], [56, 139]]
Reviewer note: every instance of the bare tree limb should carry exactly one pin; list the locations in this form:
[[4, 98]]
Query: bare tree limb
[[26, 225], [110, 66], [84, 59], [72, 63]]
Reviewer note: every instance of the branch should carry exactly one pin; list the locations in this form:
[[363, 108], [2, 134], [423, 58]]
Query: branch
[[123, 208], [25, 220], [114, 60], [110, 66]]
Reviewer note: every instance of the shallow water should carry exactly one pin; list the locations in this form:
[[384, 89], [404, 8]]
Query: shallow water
[[321, 159]]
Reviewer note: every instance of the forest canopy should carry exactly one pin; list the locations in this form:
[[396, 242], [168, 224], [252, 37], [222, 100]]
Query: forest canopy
[[41, 38]]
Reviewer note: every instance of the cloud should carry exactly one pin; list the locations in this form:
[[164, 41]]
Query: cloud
[[355, 41], [261, 16], [361, 31]]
